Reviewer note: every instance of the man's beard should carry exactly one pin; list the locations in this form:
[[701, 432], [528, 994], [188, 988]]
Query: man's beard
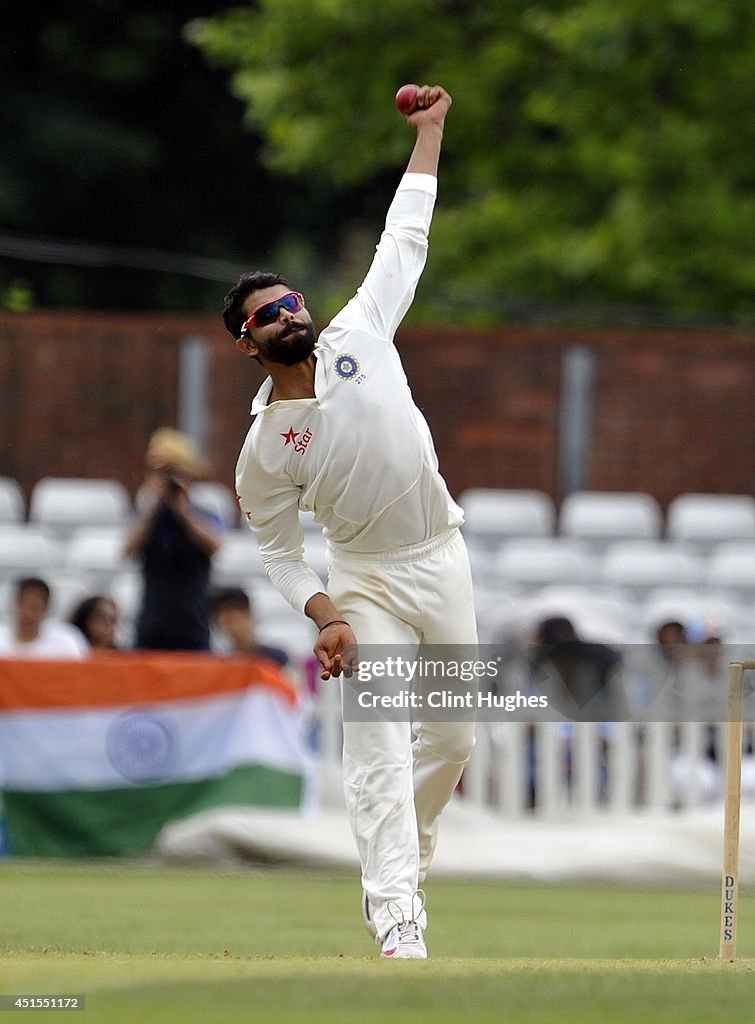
[[294, 344]]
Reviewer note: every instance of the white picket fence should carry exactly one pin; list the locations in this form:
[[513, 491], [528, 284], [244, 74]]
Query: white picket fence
[[551, 769], [558, 770]]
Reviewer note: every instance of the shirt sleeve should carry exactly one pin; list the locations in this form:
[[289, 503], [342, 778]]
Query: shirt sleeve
[[271, 507], [281, 542], [387, 291]]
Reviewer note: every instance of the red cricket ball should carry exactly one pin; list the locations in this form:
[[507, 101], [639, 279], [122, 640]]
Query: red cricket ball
[[405, 98]]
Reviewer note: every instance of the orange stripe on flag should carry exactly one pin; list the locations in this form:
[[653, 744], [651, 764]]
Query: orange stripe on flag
[[115, 679]]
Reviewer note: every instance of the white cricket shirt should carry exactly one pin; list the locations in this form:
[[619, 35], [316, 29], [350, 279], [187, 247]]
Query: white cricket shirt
[[359, 455], [55, 640]]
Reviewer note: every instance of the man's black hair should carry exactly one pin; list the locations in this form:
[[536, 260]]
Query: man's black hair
[[556, 630], [32, 583], [83, 610], [252, 281], [670, 624], [230, 597]]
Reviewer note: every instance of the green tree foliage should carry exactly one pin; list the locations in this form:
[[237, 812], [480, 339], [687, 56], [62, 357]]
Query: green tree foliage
[[598, 151]]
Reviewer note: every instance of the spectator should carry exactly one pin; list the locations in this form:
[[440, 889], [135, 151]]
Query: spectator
[[656, 669], [175, 542], [32, 634], [671, 638], [233, 616], [700, 696], [585, 674], [705, 640], [96, 618], [695, 669], [583, 682]]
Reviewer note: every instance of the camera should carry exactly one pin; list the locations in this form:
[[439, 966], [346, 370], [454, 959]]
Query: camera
[[173, 482]]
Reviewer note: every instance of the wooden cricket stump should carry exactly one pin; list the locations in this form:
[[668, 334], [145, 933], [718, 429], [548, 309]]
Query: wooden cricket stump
[[732, 809]]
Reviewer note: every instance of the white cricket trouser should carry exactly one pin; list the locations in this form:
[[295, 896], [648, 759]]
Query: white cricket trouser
[[399, 775]]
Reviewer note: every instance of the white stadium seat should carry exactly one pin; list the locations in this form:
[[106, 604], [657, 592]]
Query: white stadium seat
[[641, 565], [96, 552], [541, 561], [707, 519], [238, 559], [493, 515], [598, 614], [12, 503], [601, 517], [731, 566], [66, 591], [7, 594], [217, 499], [295, 636], [492, 600], [28, 550], [268, 603], [688, 606], [63, 503]]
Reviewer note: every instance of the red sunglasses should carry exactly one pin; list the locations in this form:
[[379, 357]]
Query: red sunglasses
[[269, 312]]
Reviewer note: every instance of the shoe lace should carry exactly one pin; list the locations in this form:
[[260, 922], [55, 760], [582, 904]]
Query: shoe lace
[[408, 931], [420, 897]]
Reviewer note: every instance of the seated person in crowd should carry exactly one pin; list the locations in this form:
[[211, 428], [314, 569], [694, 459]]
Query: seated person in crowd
[[671, 637], [583, 682], [96, 618], [656, 668], [699, 695], [32, 634], [233, 616], [583, 679]]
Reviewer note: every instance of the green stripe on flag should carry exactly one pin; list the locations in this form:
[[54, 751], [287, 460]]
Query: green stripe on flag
[[118, 822]]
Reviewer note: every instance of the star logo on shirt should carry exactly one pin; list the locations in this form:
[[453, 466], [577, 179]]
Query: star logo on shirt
[[290, 436]]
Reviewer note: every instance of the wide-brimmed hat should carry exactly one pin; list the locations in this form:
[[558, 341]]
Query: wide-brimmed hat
[[168, 448]]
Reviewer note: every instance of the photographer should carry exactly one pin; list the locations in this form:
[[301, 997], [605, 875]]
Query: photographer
[[175, 542]]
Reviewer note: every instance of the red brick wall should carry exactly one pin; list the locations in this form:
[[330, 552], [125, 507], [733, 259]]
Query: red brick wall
[[82, 393], [674, 413]]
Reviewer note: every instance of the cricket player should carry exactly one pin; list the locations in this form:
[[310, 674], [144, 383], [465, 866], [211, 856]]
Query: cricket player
[[336, 432]]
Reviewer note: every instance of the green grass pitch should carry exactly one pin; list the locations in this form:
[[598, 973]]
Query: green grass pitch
[[167, 945]]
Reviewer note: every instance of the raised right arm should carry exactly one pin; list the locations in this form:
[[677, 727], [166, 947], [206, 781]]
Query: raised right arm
[[387, 291]]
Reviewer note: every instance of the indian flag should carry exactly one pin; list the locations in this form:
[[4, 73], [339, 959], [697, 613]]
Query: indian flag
[[96, 756]]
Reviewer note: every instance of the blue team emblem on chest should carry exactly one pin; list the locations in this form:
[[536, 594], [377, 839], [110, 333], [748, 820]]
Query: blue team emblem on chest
[[347, 367]]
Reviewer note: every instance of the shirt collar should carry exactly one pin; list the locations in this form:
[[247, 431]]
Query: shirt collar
[[260, 400]]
